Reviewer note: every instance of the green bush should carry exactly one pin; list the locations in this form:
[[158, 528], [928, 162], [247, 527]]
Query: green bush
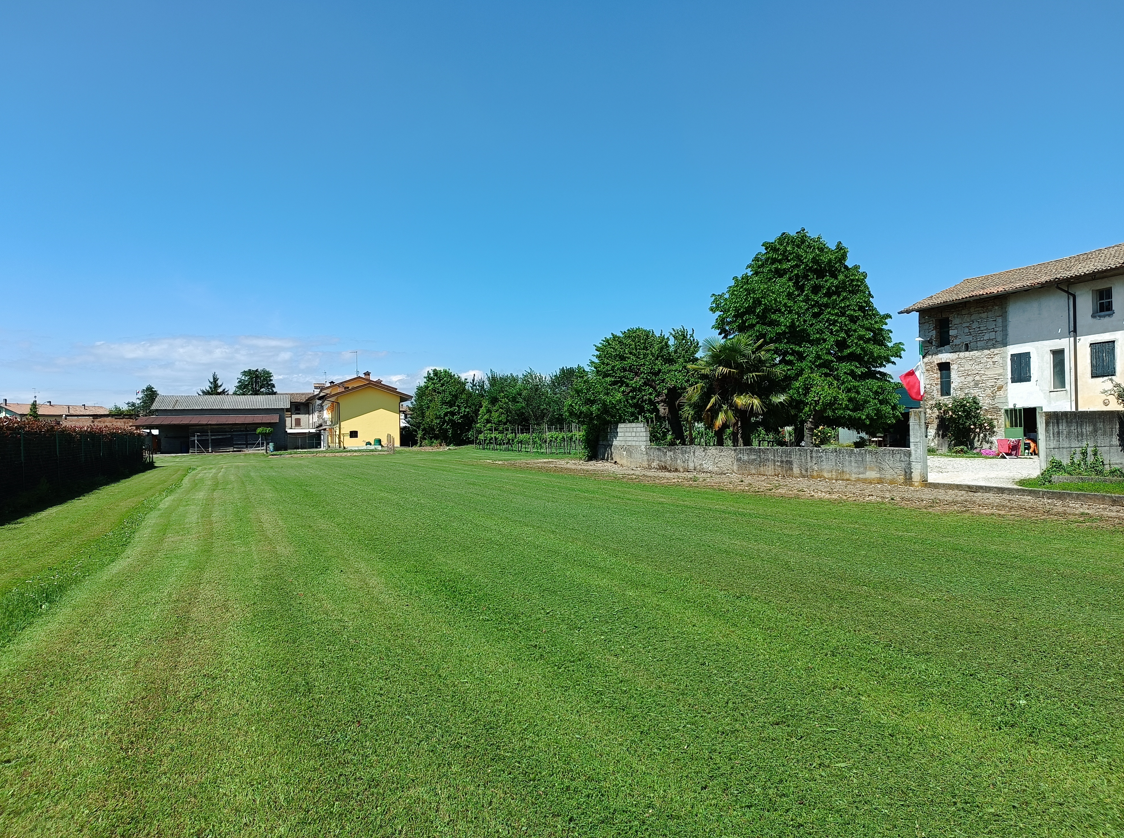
[[824, 435], [1083, 463], [962, 422]]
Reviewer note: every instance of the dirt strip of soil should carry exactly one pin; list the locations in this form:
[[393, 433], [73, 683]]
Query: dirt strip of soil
[[944, 500]]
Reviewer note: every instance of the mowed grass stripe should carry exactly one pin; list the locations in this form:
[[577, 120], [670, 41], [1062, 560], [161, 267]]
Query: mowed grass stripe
[[57, 535], [461, 594], [436, 645]]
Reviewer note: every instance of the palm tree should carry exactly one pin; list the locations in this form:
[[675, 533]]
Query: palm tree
[[738, 377]]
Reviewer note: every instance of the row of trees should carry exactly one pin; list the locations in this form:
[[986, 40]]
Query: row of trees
[[448, 409], [800, 343], [251, 382], [140, 406]]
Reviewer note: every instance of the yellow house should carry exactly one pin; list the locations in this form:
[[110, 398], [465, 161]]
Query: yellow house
[[360, 411]]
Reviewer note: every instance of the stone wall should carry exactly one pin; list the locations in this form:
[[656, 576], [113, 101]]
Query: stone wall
[[879, 465], [1062, 432], [976, 355]]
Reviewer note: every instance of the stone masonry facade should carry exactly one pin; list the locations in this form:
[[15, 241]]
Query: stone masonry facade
[[976, 355]]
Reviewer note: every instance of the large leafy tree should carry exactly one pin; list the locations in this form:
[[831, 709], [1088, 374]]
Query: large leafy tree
[[561, 383], [649, 371], [738, 380], [140, 406], [445, 408], [800, 296], [680, 376], [143, 404], [531, 399], [595, 404], [255, 383], [538, 400], [635, 364], [214, 387], [501, 397]]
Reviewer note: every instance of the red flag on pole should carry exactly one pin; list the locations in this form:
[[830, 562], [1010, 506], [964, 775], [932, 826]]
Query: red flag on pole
[[914, 381]]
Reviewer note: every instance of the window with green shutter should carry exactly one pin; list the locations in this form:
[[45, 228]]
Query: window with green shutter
[[945, 371], [1102, 359], [1020, 367]]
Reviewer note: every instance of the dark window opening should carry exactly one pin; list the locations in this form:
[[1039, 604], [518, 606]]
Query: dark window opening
[[296, 422], [944, 332], [1020, 367], [1102, 301], [946, 378], [353, 434], [1058, 358], [1102, 357]]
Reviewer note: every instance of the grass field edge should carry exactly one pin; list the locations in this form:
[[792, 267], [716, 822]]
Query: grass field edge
[[23, 603]]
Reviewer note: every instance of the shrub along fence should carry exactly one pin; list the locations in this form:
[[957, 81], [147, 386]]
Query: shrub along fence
[[545, 439], [32, 452]]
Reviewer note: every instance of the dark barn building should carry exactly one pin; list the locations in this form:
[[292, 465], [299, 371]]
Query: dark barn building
[[207, 424]]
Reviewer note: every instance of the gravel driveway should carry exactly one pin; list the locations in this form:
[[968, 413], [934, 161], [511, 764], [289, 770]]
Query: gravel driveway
[[981, 471]]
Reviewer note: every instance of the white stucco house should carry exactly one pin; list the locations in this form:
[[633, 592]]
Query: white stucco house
[[1044, 336]]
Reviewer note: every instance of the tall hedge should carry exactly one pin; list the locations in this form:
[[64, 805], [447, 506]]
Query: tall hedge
[[33, 452]]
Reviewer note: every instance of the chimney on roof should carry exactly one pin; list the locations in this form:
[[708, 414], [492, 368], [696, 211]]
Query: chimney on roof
[[48, 401], [367, 374]]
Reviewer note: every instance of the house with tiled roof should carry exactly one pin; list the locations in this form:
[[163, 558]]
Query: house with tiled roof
[[360, 411], [70, 414], [1045, 336]]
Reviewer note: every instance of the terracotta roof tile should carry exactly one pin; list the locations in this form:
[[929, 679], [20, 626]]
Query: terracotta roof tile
[[1033, 276], [60, 409]]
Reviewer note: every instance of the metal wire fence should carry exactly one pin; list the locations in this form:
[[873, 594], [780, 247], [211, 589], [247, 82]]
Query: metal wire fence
[[544, 439], [32, 452]]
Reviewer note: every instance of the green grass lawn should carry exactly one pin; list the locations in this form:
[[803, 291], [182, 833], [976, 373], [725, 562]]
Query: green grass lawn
[[431, 644], [1076, 486]]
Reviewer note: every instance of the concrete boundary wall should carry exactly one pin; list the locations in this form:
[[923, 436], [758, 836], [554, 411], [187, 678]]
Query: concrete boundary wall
[[626, 446], [1064, 431]]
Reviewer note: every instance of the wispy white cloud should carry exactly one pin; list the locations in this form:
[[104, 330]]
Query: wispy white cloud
[[111, 371]]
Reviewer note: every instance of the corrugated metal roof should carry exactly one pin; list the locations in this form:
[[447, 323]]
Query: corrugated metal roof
[[1022, 279], [204, 419], [275, 402]]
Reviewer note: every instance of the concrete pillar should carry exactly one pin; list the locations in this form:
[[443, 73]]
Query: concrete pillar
[[1043, 460], [918, 448]]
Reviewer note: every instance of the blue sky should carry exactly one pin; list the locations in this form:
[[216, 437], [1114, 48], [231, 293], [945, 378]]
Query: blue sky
[[188, 187]]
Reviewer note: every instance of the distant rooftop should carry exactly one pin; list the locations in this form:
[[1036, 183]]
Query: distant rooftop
[[48, 409], [279, 401], [1082, 266]]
